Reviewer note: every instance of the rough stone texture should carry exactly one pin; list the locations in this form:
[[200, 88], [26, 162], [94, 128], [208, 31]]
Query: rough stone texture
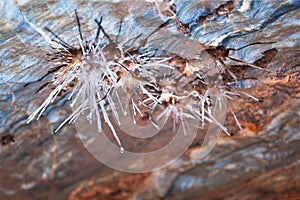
[[262, 163]]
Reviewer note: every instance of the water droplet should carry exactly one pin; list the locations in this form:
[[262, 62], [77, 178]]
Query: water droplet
[[122, 150]]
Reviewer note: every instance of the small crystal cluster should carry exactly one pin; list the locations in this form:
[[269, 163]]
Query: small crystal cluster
[[156, 87]]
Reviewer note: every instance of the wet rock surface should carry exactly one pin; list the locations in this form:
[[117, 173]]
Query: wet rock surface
[[260, 163]]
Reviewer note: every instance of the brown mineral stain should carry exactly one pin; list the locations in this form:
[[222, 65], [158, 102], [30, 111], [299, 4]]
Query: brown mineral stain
[[7, 139], [119, 189]]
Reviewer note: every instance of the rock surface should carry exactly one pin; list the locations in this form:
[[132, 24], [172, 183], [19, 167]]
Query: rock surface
[[261, 163]]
